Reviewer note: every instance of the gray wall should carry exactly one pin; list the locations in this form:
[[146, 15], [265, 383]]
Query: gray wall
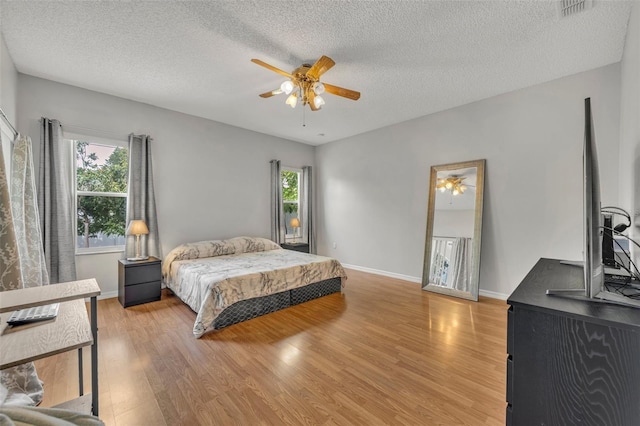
[[211, 179], [8, 97], [630, 125], [372, 188], [453, 223]]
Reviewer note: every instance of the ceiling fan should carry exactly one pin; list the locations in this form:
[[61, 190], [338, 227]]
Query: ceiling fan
[[304, 84], [452, 183]]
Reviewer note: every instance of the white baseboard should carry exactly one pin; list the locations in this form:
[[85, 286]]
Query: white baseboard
[[484, 293], [384, 273], [108, 295], [493, 294]]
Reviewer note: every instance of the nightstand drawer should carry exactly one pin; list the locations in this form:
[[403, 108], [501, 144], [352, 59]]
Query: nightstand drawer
[[302, 247], [142, 274], [142, 293]]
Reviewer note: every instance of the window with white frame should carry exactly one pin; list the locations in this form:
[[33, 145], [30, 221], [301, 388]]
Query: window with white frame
[[102, 168], [290, 179]]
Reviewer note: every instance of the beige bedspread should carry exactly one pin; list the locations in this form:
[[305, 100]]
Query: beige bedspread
[[211, 284]]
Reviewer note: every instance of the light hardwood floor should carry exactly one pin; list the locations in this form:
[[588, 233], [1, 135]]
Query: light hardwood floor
[[382, 352]]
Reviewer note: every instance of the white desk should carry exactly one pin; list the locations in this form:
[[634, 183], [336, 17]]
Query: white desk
[[70, 330]]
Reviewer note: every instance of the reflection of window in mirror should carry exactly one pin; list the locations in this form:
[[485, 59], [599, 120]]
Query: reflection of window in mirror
[[441, 255]]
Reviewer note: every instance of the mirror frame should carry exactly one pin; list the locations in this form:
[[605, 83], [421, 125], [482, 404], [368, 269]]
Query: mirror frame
[[477, 230]]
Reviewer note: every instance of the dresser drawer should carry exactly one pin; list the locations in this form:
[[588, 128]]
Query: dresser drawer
[[510, 379], [511, 317], [141, 293]]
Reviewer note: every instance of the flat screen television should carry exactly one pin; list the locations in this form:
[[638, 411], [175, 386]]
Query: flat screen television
[[594, 271], [593, 268]]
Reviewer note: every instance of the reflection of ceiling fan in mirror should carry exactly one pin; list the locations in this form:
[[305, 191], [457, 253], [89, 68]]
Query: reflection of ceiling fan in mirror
[[452, 183], [304, 84]]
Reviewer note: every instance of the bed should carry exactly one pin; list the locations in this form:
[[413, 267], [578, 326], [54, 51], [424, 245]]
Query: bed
[[229, 281]]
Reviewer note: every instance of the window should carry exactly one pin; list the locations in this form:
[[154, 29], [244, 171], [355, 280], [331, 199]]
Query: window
[[290, 200], [101, 194]]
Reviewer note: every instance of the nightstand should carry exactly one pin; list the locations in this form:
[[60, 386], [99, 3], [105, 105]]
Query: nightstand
[[303, 247], [139, 281]]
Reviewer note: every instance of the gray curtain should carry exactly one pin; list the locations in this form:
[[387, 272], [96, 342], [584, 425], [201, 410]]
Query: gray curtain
[[19, 385], [438, 262], [460, 278], [24, 207], [56, 203], [141, 200], [307, 210], [278, 229]]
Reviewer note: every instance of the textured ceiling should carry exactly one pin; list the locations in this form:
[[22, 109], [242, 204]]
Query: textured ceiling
[[407, 58]]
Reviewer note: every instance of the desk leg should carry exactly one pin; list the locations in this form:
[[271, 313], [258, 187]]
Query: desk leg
[[80, 372], [94, 356]]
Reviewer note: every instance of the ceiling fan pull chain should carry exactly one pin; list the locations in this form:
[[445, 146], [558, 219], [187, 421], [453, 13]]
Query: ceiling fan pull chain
[[304, 124]]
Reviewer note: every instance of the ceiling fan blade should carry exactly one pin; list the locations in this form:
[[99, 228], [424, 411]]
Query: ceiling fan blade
[[321, 66], [271, 67], [345, 93], [271, 93]]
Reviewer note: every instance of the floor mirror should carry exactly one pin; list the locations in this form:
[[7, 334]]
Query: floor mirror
[[454, 228]]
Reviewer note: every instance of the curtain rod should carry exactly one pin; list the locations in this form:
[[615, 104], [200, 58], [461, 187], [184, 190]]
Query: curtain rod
[[93, 132], [81, 130], [96, 132], [6, 119]]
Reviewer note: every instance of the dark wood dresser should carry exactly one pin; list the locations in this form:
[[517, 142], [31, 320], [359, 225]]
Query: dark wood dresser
[[139, 281], [570, 362]]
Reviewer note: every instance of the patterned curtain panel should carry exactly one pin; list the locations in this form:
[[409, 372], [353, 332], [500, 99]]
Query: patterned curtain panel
[[55, 202], [306, 198], [277, 212], [24, 206], [18, 385], [10, 277], [141, 200]]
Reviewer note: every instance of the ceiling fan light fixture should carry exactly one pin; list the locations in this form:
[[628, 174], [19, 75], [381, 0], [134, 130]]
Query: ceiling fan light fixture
[[453, 184], [292, 100], [287, 86], [318, 101], [304, 83]]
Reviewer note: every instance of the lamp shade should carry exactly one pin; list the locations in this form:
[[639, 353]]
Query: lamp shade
[[287, 87], [295, 223], [318, 88], [292, 100], [137, 227]]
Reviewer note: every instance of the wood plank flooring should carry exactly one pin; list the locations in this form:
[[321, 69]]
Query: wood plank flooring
[[383, 352]]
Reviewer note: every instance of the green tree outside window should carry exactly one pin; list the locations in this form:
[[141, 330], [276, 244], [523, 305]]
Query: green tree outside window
[[100, 213]]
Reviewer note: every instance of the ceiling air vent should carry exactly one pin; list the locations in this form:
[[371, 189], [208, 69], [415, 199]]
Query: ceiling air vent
[[571, 7]]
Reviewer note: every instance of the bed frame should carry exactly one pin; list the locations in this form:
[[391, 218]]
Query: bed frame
[[251, 308]]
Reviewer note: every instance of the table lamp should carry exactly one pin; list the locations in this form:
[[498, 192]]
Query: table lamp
[[295, 224], [137, 227]]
